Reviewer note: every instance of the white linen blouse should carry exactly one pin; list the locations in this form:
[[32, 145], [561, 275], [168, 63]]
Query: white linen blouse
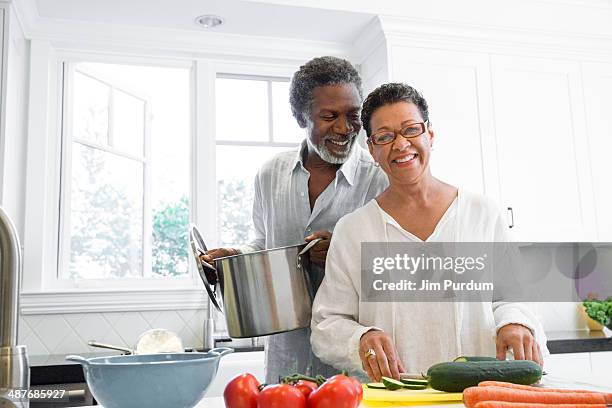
[[424, 333]]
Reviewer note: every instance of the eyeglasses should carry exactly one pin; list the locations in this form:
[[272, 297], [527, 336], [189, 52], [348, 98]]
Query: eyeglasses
[[388, 136]]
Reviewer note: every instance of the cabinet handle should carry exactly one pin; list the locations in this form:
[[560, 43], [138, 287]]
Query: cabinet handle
[[511, 217]]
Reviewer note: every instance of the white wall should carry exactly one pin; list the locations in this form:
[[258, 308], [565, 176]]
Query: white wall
[[16, 122]]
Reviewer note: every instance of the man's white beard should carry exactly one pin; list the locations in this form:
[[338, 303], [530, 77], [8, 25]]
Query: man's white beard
[[324, 153]]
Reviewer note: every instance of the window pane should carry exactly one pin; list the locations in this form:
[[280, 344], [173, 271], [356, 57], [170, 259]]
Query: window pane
[[285, 126], [167, 92], [90, 109], [236, 170], [128, 123], [242, 110], [106, 215]]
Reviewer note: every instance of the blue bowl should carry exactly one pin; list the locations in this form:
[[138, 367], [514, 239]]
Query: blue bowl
[[177, 380]]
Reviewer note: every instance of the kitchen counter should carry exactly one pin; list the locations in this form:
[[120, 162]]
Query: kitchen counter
[[579, 341], [54, 369], [218, 403], [548, 381]]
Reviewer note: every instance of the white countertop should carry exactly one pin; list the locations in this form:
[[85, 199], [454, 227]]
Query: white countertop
[[548, 381], [218, 403]]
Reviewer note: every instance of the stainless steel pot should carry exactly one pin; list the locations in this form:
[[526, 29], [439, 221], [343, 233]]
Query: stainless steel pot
[[263, 292]]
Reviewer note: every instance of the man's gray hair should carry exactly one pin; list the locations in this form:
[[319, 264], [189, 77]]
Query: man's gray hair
[[317, 72]]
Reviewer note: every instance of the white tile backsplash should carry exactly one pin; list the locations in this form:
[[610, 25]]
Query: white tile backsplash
[[69, 333]]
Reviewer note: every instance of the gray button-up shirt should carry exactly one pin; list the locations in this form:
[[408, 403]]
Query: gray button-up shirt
[[282, 216]]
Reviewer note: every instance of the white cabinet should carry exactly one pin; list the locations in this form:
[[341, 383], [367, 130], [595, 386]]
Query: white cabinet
[[457, 88], [541, 145], [597, 79]]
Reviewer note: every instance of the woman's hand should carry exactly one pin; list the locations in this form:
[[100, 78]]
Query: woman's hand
[[524, 345], [384, 361], [318, 253]]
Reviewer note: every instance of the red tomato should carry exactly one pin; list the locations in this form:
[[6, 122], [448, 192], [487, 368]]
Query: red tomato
[[358, 387], [242, 392], [306, 387], [339, 391], [281, 396]]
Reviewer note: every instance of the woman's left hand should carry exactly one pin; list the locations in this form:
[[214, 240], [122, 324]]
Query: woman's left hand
[[522, 342]]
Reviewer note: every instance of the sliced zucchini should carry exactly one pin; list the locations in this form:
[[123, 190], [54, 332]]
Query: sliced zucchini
[[376, 386], [414, 386], [414, 381], [392, 384]]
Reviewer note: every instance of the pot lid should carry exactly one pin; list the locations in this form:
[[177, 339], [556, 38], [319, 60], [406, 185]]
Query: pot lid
[[208, 273]]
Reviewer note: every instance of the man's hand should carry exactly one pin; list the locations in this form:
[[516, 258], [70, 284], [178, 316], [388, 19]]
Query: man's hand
[[522, 342], [218, 253], [384, 361], [318, 253]]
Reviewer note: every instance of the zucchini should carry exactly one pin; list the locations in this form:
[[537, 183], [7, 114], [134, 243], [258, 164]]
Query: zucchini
[[414, 386], [411, 381], [457, 376], [464, 359], [376, 386], [392, 384]]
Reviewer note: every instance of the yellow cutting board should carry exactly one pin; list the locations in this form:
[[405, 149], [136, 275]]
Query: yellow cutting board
[[386, 398]]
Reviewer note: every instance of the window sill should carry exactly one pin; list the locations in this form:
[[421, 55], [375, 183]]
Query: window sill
[[120, 300]]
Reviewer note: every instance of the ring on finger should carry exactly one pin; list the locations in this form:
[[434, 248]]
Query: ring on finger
[[370, 352]]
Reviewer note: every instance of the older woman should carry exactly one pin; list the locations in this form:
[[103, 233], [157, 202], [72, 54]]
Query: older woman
[[388, 338]]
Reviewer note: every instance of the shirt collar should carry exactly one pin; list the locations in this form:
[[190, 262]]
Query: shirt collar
[[348, 168]]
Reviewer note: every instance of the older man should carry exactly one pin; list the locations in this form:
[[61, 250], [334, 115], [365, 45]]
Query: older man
[[301, 194]]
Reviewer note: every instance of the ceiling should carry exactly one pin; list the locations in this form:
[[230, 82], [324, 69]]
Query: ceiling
[[241, 17]]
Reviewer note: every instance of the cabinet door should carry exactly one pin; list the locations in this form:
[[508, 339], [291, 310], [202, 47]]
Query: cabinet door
[[597, 79], [456, 86], [542, 149]]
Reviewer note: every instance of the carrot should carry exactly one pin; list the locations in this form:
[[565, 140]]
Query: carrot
[[474, 395], [499, 404], [527, 387]]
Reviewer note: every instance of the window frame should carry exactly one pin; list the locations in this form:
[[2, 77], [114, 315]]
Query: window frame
[[219, 321], [246, 143], [66, 140], [40, 293]]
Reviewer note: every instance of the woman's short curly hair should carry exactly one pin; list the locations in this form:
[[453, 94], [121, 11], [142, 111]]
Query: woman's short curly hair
[[388, 94], [317, 72]]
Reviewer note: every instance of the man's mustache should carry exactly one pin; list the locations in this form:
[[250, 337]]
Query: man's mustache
[[337, 138]]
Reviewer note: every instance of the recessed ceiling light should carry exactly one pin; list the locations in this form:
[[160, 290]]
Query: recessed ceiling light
[[209, 21]]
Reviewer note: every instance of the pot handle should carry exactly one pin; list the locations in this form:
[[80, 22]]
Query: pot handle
[[309, 245], [78, 359], [304, 250]]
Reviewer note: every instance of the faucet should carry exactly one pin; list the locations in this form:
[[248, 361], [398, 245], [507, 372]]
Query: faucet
[[14, 366]]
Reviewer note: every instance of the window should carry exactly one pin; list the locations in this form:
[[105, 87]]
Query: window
[[254, 122], [125, 181]]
